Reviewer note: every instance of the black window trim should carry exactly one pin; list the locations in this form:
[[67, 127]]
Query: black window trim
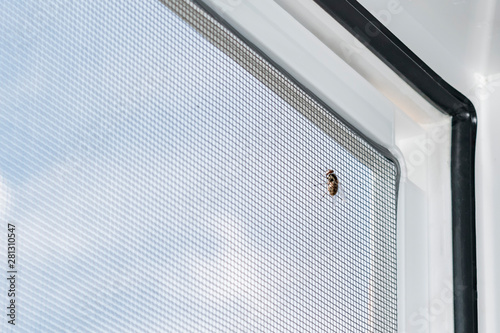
[[376, 37]]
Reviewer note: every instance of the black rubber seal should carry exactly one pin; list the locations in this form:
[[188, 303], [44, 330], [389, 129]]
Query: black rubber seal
[[367, 29]]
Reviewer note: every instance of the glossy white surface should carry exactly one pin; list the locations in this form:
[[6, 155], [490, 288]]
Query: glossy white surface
[[460, 40]]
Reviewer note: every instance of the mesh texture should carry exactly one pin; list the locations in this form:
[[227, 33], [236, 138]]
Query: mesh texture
[[164, 177]]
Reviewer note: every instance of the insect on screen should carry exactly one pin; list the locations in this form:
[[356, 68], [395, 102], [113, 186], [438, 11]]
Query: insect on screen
[[164, 176]]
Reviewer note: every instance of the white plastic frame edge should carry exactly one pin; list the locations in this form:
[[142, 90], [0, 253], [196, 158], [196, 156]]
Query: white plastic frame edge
[[301, 38]]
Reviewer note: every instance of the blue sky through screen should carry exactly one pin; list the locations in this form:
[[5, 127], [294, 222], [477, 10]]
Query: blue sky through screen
[[158, 186]]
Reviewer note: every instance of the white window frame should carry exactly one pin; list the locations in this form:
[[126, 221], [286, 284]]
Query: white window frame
[[324, 57]]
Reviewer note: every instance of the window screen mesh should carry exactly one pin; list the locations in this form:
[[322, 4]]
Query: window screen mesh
[[163, 177]]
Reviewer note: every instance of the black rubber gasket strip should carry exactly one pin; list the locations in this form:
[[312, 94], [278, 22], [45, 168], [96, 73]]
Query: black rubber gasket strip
[[367, 29]]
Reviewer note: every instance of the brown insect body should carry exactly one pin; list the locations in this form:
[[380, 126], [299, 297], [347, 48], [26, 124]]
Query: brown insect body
[[332, 182]]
